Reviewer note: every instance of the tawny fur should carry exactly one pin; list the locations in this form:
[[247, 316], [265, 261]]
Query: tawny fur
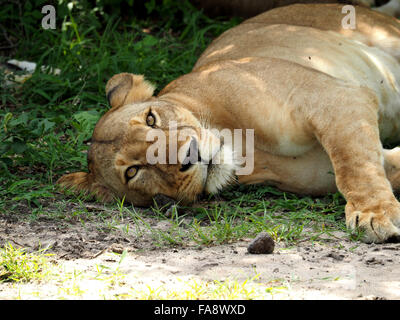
[[319, 98]]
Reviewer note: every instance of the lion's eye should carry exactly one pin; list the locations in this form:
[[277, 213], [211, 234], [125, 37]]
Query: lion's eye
[[131, 172], [151, 120]]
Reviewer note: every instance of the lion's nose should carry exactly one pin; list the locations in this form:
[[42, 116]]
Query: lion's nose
[[192, 156]]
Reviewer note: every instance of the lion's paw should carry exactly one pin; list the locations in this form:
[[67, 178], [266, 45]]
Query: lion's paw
[[377, 228]]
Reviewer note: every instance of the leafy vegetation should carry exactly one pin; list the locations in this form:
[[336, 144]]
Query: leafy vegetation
[[17, 265]]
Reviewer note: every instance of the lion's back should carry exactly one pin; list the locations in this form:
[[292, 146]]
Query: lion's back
[[372, 28]]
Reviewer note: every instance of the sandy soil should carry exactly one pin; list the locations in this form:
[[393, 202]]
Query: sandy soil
[[332, 269]]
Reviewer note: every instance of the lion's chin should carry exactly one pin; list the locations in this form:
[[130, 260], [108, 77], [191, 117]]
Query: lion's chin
[[220, 171]]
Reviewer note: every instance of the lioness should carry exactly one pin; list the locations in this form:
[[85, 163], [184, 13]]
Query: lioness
[[319, 97]]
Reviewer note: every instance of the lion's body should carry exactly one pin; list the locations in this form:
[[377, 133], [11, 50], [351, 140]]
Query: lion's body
[[319, 98], [270, 77]]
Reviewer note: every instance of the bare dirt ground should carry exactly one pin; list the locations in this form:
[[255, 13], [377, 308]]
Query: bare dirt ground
[[333, 269]]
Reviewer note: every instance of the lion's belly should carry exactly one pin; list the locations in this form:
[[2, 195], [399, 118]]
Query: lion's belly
[[311, 173]]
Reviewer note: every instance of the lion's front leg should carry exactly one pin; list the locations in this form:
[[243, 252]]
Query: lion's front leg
[[350, 136]]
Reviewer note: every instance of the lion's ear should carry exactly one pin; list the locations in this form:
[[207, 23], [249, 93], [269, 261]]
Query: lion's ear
[[83, 182], [124, 88]]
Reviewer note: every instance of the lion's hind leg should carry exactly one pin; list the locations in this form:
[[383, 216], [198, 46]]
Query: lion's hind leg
[[392, 167]]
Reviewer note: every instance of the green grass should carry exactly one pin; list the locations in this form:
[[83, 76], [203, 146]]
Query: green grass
[[243, 212], [46, 123], [194, 289], [16, 265]]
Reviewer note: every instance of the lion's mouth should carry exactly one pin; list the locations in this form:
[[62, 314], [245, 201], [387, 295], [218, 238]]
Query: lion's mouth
[[220, 171]]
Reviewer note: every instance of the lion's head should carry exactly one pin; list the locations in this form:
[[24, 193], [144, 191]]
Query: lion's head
[[145, 146]]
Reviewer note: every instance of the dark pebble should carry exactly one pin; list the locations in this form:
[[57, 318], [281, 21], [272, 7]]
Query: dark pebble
[[263, 243]]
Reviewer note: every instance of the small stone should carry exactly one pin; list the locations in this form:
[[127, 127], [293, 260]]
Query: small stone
[[116, 248], [263, 243]]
